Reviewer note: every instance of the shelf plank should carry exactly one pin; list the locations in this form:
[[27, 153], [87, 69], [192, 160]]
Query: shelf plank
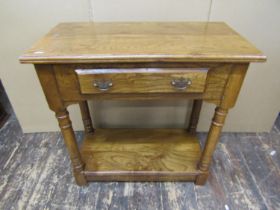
[[141, 155]]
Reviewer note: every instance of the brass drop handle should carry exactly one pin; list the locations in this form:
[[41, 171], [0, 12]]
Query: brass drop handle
[[103, 84], [181, 83]]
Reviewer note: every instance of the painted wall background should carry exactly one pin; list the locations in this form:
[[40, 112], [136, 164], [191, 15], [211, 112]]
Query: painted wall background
[[24, 22]]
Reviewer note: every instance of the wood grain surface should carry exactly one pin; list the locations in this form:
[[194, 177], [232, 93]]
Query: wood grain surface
[[69, 86], [142, 42], [156, 154], [141, 80]]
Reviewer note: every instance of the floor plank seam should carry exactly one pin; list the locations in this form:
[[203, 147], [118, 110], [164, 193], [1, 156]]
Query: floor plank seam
[[277, 129], [266, 177], [254, 179], [11, 176], [38, 178], [275, 166], [12, 155], [97, 197], [161, 199]]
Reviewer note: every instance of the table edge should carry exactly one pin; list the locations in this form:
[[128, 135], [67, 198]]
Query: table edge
[[140, 58]]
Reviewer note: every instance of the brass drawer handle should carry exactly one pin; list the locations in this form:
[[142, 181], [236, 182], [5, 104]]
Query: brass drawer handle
[[181, 83], [103, 84]]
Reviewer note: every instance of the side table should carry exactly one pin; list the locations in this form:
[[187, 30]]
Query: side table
[[202, 61]]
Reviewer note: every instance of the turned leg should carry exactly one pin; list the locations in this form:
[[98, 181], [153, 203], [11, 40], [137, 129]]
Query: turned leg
[[197, 104], [71, 144], [211, 142], [86, 117], [230, 94], [48, 81]]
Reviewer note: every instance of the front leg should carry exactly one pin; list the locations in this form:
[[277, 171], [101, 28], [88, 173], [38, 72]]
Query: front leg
[[72, 147], [227, 101], [211, 142], [48, 82]]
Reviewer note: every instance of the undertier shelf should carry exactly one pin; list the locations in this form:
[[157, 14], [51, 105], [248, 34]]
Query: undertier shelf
[[140, 155]]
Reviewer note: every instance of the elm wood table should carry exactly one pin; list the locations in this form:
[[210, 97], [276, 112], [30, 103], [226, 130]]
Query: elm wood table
[[76, 62]]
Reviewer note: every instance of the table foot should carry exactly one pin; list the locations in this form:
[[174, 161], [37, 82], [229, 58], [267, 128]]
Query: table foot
[[202, 178]]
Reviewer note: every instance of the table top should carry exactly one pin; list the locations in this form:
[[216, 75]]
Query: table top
[[98, 42]]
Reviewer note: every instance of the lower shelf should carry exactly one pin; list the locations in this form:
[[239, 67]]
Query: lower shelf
[[140, 155]]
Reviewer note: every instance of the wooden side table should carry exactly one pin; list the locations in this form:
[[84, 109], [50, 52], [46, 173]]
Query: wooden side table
[[76, 62]]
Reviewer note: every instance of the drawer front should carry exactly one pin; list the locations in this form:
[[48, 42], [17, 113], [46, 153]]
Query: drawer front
[[94, 81]]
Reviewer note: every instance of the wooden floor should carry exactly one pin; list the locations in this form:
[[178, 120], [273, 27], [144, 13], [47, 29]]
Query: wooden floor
[[34, 174]]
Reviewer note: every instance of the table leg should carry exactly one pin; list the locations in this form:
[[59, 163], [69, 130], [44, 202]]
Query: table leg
[[71, 144], [197, 104], [86, 117], [48, 82], [211, 142], [234, 83]]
